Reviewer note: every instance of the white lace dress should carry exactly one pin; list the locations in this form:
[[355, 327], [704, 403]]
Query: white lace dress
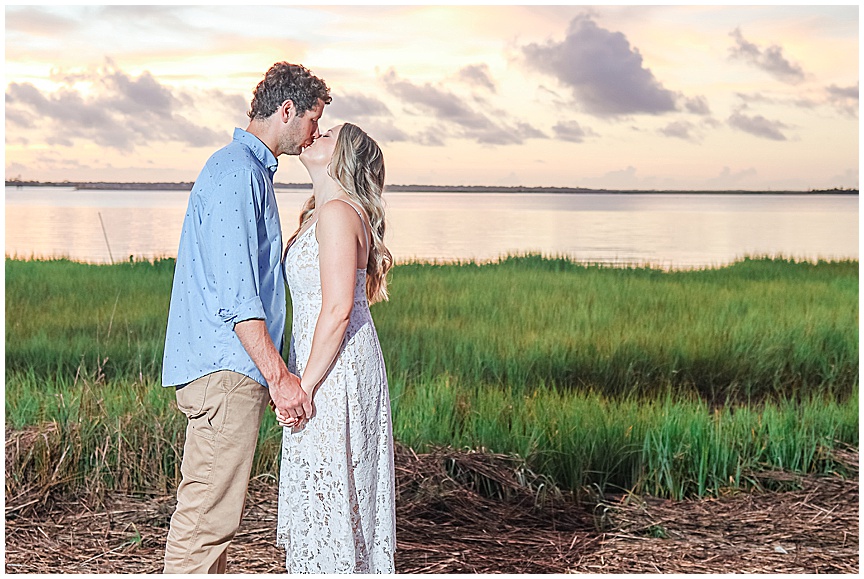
[[336, 484]]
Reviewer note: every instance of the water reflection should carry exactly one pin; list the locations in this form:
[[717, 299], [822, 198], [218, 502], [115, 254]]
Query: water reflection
[[666, 230]]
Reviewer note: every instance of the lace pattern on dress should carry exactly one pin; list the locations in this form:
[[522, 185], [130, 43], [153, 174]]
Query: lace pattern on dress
[[336, 484]]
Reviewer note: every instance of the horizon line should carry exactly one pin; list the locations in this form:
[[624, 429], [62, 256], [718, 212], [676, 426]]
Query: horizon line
[[183, 185]]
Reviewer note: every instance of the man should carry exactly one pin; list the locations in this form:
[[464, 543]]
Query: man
[[226, 320]]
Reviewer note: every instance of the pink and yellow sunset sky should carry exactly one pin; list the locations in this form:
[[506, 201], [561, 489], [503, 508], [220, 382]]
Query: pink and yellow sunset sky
[[617, 97]]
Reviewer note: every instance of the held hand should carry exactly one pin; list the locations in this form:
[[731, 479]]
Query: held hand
[[290, 400], [284, 421]]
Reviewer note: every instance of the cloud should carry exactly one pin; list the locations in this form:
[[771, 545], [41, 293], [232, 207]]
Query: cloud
[[477, 75], [755, 97], [59, 140], [430, 138], [606, 75], [355, 106], [454, 116], [529, 131], [369, 113], [697, 105], [232, 106], [848, 92], [571, 131], [804, 103], [770, 60], [132, 95], [382, 131], [152, 15], [60, 75], [19, 118], [37, 22], [144, 36], [119, 112], [844, 98], [65, 105], [758, 126], [506, 135], [679, 130], [442, 104]]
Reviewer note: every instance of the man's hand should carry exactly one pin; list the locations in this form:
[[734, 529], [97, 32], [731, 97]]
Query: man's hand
[[291, 403], [289, 398]]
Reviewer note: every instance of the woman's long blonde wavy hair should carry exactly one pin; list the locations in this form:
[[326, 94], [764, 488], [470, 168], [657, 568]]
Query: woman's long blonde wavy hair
[[358, 166]]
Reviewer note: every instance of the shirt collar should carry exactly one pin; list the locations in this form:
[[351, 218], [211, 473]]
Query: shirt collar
[[258, 148]]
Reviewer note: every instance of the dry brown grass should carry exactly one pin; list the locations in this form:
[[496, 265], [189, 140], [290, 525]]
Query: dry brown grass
[[460, 512]]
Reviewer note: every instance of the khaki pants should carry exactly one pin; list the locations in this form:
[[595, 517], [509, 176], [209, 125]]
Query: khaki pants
[[224, 411]]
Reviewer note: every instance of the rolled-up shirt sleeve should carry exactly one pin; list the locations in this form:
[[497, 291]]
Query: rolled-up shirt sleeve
[[234, 245]]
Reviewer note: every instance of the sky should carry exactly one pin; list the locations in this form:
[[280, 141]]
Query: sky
[[616, 97]]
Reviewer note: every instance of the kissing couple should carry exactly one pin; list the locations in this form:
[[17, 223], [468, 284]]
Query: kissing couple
[[225, 334]]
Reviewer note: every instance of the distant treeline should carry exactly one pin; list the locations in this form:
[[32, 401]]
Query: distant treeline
[[187, 185], [178, 186]]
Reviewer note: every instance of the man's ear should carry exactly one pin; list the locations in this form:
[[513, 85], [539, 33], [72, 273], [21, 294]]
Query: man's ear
[[287, 111]]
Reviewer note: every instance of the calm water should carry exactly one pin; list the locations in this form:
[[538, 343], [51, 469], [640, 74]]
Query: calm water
[[672, 231]]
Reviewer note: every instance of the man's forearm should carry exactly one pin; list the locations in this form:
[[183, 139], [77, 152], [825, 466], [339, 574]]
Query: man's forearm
[[284, 387], [256, 340]]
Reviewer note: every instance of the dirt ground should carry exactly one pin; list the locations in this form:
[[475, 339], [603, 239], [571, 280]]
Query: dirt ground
[[460, 512]]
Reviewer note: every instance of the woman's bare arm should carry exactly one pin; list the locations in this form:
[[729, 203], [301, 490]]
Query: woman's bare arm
[[338, 230]]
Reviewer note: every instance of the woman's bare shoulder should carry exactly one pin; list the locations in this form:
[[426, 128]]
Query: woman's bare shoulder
[[338, 214]]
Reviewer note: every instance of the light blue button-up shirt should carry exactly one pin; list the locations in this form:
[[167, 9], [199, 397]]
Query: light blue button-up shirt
[[228, 265]]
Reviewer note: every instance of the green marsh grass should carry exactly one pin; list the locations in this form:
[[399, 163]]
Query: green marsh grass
[[672, 383], [750, 330], [63, 317]]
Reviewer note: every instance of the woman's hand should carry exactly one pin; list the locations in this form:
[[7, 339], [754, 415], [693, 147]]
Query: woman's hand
[[286, 421], [283, 420]]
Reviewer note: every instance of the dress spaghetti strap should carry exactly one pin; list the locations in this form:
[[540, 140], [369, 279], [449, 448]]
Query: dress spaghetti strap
[[362, 220]]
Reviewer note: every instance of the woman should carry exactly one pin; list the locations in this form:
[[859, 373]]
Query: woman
[[336, 488]]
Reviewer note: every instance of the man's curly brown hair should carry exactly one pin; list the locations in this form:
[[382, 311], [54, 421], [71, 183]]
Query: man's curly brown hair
[[283, 82]]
